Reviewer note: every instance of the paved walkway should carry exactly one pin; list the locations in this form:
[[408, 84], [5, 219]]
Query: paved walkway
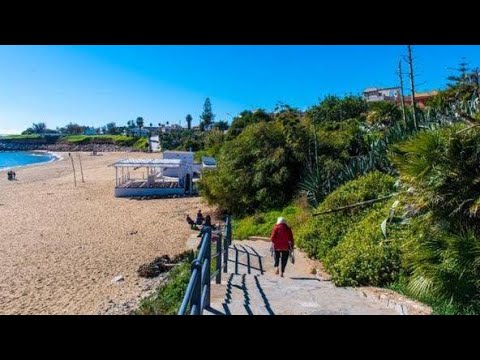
[[251, 288]]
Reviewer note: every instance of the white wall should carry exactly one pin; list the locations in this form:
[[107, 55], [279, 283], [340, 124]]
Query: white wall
[[185, 155]]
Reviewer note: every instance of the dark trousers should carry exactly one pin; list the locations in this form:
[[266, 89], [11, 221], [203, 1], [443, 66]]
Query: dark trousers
[[284, 255]]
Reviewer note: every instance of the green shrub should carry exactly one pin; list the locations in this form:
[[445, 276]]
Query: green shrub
[[341, 140], [333, 109], [261, 224], [256, 171], [442, 165], [364, 256], [141, 144], [126, 141], [307, 238], [168, 298], [439, 305], [385, 113], [324, 232], [197, 157], [442, 259], [441, 264]]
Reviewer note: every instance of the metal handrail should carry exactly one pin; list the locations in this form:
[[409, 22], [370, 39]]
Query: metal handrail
[[197, 295]]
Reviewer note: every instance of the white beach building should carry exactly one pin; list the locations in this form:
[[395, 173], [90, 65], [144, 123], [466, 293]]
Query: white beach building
[[174, 174], [186, 156], [152, 177]]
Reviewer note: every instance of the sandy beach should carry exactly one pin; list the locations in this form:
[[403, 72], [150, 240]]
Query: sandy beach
[[61, 246]]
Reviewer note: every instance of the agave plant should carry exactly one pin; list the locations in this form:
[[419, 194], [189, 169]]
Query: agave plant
[[317, 182]]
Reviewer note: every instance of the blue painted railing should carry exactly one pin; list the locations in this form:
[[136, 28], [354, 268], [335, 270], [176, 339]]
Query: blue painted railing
[[197, 296]]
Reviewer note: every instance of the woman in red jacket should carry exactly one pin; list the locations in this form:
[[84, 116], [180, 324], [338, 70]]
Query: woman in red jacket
[[282, 242]]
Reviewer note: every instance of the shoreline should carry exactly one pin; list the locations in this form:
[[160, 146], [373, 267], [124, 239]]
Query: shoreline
[[55, 157]]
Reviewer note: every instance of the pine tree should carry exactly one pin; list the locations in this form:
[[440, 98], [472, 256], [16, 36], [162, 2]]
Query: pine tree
[[207, 116], [461, 78]]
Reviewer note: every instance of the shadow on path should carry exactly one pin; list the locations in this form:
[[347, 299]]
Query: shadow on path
[[248, 254]]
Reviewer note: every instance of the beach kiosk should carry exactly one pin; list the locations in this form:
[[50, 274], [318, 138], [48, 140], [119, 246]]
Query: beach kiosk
[[152, 177]]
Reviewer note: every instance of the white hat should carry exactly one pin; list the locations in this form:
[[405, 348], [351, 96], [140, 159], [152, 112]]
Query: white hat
[[281, 220]]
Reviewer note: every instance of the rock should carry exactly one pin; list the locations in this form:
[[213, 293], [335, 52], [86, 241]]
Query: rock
[[155, 268], [117, 279], [163, 264], [62, 147]]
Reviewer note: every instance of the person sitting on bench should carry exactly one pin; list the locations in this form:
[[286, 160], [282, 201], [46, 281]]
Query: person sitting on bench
[[199, 219]]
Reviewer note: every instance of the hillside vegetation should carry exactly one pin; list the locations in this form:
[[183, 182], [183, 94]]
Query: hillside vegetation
[[391, 202]]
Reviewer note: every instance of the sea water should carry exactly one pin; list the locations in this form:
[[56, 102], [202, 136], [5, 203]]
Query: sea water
[[11, 159]]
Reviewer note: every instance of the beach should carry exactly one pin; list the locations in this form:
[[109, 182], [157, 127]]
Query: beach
[[61, 246]]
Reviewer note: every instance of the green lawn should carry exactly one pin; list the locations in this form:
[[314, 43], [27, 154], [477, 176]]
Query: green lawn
[[120, 140], [21, 137]]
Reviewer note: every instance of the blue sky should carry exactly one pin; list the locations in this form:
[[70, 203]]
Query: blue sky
[[94, 85]]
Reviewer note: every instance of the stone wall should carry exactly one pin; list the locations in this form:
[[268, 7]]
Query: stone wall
[[394, 300]]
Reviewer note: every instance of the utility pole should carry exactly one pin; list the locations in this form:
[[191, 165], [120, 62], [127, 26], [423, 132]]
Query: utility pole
[[400, 75], [412, 83]]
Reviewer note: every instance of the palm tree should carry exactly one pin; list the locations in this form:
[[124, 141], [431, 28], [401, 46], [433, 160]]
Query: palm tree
[[442, 165], [140, 123], [442, 255], [189, 121]]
